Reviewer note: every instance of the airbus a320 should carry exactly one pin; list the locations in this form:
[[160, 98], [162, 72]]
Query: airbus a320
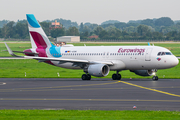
[[97, 60]]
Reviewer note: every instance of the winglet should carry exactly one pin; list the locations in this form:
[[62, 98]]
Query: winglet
[[149, 44], [10, 51]]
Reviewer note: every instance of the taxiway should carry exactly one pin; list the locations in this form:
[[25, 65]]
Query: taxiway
[[97, 94]]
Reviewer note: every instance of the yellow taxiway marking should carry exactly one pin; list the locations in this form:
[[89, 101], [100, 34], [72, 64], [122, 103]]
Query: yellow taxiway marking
[[159, 91], [15, 89], [115, 100]]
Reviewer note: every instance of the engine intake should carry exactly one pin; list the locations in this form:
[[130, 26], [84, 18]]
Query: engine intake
[[98, 70]]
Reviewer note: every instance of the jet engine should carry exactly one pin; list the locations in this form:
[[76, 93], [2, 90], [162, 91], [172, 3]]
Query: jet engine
[[144, 72], [98, 70]]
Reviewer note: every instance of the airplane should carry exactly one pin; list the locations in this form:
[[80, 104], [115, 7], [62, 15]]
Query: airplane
[[96, 60]]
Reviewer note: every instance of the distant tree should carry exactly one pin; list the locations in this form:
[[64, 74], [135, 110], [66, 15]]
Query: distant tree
[[21, 30], [45, 26], [120, 25], [103, 34], [87, 24], [171, 35], [143, 30], [58, 32], [130, 29], [4, 31], [135, 21], [114, 33], [1, 33], [97, 30], [3, 22], [72, 31], [84, 35], [125, 33], [110, 22], [148, 22], [86, 29], [164, 21], [92, 27], [134, 35], [8, 30], [81, 27], [157, 35]]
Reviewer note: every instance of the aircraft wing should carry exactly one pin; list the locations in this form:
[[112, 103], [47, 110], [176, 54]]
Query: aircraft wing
[[43, 59], [68, 60]]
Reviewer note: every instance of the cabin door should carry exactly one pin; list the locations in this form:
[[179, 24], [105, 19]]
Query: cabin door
[[148, 54]]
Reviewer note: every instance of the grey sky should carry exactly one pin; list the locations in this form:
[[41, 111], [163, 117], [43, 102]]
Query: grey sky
[[94, 11]]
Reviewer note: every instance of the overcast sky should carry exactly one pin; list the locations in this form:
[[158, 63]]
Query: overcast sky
[[93, 11]]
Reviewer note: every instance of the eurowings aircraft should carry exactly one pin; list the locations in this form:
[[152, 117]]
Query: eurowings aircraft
[[97, 60]]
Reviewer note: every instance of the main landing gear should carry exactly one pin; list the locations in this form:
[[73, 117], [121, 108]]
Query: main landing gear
[[116, 76], [86, 77]]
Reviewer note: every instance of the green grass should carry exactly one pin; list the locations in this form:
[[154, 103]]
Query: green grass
[[87, 115], [33, 69]]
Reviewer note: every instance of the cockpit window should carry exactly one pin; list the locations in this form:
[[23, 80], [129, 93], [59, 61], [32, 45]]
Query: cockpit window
[[159, 54], [164, 53], [168, 53]]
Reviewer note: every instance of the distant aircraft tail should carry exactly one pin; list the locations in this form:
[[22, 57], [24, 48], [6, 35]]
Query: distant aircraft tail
[[37, 36]]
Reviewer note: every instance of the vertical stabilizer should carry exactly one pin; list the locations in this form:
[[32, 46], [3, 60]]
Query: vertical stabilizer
[[37, 36]]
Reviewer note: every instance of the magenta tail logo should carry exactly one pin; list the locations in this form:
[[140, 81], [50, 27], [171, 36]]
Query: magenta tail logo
[[158, 59]]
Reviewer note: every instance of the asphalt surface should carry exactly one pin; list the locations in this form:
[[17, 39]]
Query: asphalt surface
[[97, 94]]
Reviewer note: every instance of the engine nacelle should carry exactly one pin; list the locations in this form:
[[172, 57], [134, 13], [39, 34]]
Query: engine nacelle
[[98, 70], [144, 72]]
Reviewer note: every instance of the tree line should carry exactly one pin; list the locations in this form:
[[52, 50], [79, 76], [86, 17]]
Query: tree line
[[149, 29]]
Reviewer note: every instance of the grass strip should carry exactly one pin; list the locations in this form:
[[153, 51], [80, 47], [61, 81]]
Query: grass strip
[[28, 68], [88, 115]]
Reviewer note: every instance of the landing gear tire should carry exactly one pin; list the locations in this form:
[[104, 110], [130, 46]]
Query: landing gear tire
[[116, 76], [86, 77], [89, 76], [155, 78]]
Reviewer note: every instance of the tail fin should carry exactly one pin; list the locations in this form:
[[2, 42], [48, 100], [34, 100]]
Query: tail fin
[[37, 36]]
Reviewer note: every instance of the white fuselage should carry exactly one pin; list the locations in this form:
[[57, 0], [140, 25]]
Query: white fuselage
[[122, 57]]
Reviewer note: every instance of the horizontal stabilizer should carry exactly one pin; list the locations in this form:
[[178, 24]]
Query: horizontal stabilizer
[[30, 53], [10, 51]]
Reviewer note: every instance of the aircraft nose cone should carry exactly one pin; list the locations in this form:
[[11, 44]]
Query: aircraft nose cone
[[175, 61]]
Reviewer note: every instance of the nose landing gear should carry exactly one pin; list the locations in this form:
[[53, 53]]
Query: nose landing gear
[[155, 78]]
